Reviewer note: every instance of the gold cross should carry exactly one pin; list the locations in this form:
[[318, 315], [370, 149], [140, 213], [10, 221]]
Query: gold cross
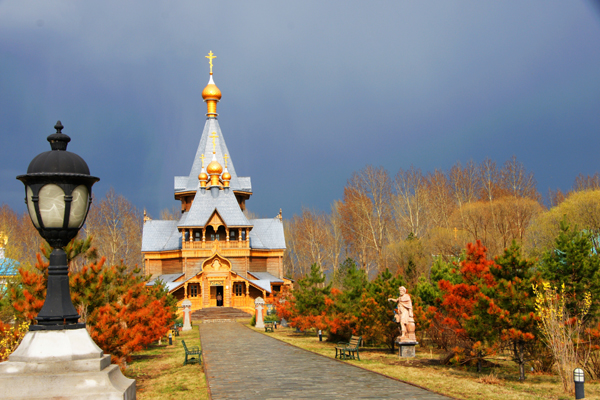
[[213, 136], [202, 158], [210, 57], [225, 157]]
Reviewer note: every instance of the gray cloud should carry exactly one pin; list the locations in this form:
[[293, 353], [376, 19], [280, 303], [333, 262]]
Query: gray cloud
[[311, 90]]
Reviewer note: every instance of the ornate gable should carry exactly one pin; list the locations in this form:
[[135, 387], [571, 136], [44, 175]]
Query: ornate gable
[[215, 221], [216, 263]]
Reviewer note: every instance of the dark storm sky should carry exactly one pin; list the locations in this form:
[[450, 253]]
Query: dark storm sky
[[312, 90]]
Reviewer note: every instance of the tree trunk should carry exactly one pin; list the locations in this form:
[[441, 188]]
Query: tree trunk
[[520, 358], [479, 361]]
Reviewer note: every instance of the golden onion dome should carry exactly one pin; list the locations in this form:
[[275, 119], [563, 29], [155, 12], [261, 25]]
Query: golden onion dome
[[226, 176], [214, 168], [203, 176], [211, 91]]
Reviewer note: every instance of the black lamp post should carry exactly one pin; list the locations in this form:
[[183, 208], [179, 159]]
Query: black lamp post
[[58, 193]]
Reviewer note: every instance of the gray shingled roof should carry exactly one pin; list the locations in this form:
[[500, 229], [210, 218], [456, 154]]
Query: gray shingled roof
[[267, 234], [205, 147], [160, 235], [245, 183], [265, 276], [180, 183], [168, 279], [205, 204]]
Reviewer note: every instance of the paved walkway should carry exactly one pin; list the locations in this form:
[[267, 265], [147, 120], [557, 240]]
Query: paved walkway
[[243, 364]]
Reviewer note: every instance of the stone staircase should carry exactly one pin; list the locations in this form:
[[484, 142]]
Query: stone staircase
[[219, 314]]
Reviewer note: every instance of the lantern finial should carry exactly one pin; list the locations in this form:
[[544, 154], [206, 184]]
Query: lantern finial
[[58, 140]]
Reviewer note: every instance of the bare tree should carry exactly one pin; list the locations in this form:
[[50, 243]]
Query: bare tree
[[587, 182], [367, 215], [517, 181], [172, 214], [440, 195], [411, 202], [336, 226], [22, 239], [116, 227]]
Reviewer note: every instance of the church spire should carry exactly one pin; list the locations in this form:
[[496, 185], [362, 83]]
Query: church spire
[[211, 93]]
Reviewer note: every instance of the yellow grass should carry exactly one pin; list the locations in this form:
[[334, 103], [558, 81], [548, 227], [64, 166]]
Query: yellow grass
[[497, 383], [160, 374]]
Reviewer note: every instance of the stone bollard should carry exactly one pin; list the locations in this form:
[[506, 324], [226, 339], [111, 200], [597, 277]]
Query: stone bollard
[[187, 308], [259, 303]]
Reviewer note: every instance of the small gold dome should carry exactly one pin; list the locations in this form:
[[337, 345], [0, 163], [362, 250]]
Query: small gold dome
[[211, 91], [203, 176], [226, 176], [214, 168]]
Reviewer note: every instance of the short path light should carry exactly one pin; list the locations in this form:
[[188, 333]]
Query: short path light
[[579, 379], [58, 193]]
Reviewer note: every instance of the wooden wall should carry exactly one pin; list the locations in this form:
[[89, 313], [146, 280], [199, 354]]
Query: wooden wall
[[273, 266], [172, 266], [154, 267], [238, 265], [193, 266], [258, 264]]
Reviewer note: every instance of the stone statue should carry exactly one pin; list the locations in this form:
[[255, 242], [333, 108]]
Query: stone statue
[[404, 316]]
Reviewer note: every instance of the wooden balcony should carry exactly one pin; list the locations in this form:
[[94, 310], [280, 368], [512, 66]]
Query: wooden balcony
[[233, 244]]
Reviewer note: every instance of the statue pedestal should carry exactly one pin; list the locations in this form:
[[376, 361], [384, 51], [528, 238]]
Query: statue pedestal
[[64, 364], [187, 307], [406, 349]]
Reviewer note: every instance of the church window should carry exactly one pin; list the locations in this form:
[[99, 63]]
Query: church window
[[239, 289], [243, 235], [193, 290], [231, 235], [197, 237]]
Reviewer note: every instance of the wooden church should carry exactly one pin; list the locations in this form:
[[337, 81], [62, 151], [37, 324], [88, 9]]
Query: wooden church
[[214, 255]]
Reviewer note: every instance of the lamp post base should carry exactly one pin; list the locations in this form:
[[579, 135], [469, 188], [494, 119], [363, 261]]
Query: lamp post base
[[64, 364]]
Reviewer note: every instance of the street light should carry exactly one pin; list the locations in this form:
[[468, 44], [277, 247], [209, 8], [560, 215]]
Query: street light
[[58, 193], [579, 379]]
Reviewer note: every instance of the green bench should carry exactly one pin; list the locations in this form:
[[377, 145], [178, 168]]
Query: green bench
[[348, 350], [193, 352], [269, 327]]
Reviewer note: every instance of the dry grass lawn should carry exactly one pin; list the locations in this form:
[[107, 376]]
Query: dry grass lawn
[[160, 374], [498, 382]]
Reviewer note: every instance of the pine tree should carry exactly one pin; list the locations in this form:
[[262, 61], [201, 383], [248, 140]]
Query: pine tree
[[509, 306], [574, 263], [122, 314], [456, 314], [376, 320]]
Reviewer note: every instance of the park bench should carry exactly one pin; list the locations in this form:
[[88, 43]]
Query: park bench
[[192, 352], [348, 350], [269, 327]]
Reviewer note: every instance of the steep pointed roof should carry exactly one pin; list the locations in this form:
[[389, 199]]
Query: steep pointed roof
[[205, 205], [190, 183]]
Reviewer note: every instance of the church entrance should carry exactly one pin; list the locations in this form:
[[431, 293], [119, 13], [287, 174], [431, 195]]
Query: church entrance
[[219, 296]]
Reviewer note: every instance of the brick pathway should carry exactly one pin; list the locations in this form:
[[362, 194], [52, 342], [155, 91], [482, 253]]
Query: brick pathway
[[243, 364]]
